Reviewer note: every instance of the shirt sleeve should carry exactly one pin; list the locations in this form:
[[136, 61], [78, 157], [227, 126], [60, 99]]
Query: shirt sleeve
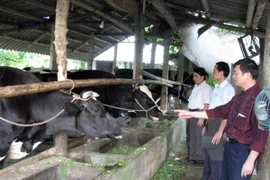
[[207, 95], [260, 136], [220, 111]]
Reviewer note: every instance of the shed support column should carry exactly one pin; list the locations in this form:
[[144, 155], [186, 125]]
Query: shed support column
[[264, 160], [190, 66], [186, 64], [180, 74], [164, 89], [62, 8], [91, 52], [139, 42], [153, 51], [114, 68], [53, 64]]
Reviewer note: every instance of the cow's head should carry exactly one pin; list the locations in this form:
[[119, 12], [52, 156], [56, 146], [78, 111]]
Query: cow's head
[[91, 117], [144, 101]]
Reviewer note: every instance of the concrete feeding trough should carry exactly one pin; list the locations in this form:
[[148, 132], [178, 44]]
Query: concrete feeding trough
[[92, 160]]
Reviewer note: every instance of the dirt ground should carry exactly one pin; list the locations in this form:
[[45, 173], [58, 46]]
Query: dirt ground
[[191, 172]]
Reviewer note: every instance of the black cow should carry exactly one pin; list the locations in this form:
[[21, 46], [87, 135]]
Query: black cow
[[86, 116], [154, 89], [120, 96], [128, 73], [187, 79]]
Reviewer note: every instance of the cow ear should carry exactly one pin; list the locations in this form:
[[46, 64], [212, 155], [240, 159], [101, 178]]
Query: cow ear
[[71, 108]]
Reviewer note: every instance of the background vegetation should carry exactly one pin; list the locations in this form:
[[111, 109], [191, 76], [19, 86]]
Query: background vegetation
[[22, 59]]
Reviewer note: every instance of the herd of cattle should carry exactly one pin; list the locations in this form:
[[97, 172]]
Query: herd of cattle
[[82, 114]]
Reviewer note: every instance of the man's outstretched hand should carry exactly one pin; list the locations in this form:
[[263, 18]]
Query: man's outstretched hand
[[185, 114]]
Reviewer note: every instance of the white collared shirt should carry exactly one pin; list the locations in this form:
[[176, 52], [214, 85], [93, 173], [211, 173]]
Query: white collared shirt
[[221, 94], [200, 95]]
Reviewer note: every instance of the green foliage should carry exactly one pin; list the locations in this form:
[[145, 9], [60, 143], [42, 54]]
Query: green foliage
[[211, 81], [63, 171], [175, 41], [23, 59], [11, 58], [230, 31], [125, 150], [171, 170], [164, 124]]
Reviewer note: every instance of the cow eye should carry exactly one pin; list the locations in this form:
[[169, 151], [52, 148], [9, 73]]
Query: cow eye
[[94, 110]]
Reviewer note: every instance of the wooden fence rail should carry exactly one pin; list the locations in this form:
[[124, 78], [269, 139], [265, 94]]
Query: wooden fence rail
[[24, 89]]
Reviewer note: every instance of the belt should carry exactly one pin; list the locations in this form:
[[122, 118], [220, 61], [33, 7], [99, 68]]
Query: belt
[[195, 109], [233, 141]]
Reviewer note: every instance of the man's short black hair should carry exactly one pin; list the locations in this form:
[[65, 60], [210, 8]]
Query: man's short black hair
[[223, 66], [248, 65], [201, 71]]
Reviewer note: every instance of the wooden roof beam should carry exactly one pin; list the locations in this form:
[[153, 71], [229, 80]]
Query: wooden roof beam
[[40, 25], [123, 25], [81, 45], [8, 23], [19, 13], [114, 34], [258, 14], [37, 39], [40, 5], [170, 18], [250, 12], [167, 14], [116, 28], [43, 44], [87, 36], [206, 8], [69, 39]]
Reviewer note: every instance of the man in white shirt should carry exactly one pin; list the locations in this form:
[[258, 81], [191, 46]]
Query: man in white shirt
[[222, 93], [198, 100]]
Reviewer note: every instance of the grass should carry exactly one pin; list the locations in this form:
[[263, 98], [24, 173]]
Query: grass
[[125, 150], [171, 170], [164, 124]]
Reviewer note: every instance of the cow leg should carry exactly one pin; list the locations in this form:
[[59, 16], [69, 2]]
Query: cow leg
[[2, 163], [5, 141]]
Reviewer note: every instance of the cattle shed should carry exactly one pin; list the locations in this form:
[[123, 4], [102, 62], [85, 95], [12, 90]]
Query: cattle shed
[[28, 25], [92, 27]]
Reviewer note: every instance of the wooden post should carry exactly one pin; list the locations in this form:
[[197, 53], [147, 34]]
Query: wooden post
[[62, 8], [180, 67], [91, 52], [190, 66], [264, 159], [153, 51], [114, 67], [164, 90], [180, 74], [139, 42], [186, 68], [53, 64]]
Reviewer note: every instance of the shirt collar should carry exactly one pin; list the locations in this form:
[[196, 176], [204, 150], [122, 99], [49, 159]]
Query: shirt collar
[[223, 84], [200, 84]]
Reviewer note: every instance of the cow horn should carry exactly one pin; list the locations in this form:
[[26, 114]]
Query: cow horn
[[90, 94]]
